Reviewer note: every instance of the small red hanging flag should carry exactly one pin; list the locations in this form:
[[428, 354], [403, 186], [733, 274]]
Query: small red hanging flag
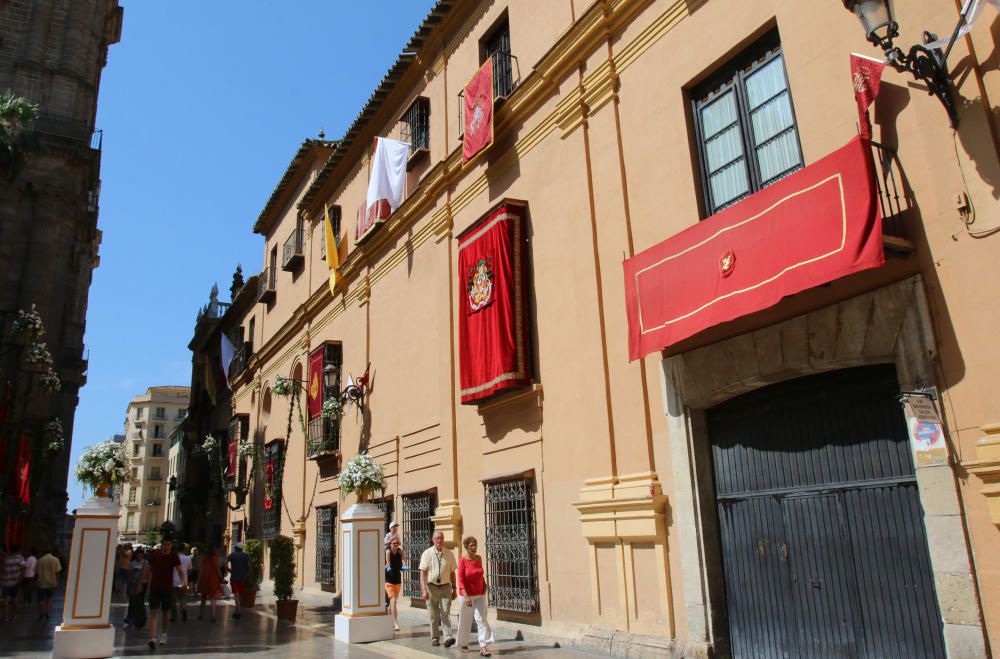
[[315, 382], [478, 108], [866, 77], [22, 472], [231, 459]]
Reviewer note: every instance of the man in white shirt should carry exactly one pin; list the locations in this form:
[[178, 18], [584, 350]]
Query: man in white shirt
[[437, 581], [28, 581], [180, 584]]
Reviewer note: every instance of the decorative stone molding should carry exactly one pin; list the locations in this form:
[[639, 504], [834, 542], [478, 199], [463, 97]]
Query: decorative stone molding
[[299, 531], [987, 467], [627, 515], [447, 518], [623, 508]]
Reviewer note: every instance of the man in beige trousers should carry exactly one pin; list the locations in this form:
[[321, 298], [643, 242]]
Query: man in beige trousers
[[437, 583]]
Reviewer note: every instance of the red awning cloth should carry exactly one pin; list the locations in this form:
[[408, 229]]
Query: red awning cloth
[[492, 304], [817, 225]]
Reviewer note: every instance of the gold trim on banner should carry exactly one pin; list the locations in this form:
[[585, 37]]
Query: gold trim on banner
[[843, 241]]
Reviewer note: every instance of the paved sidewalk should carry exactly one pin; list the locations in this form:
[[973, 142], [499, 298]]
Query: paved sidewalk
[[259, 634]]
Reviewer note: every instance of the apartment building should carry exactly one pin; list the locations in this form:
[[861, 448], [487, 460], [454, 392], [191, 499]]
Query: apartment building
[[689, 452], [150, 421]]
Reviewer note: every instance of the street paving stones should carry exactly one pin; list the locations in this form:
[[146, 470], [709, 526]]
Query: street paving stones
[[256, 634]]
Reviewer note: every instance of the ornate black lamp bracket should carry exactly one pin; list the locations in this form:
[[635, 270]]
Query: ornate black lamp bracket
[[926, 65]]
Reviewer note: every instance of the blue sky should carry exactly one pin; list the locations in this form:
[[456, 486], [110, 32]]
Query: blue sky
[[202, 105]]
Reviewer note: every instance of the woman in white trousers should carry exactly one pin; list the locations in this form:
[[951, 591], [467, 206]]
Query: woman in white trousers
[[472, 602]]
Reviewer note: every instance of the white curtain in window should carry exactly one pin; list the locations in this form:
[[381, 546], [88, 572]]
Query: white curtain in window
[[771, 117], [724, 150]]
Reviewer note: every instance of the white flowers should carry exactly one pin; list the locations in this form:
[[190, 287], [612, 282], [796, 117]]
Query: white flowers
[[332, 408], [245, 449], [50, 381], [209, 445], [281, 387], [39, 355], [29, 322], [361, 474], [52, 432], [104, 463]]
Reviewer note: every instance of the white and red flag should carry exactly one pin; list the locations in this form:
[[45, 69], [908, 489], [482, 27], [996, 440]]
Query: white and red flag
[[387, 183], [478, 128], [866, 78]]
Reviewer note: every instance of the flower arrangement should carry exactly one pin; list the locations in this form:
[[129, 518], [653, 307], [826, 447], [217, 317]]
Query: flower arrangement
[[281, 387], [209, 445], [333, 408], [362, 475], [39, 355], [53, 434], [245, 449], [105, 463], [29, 322], [50, 381]]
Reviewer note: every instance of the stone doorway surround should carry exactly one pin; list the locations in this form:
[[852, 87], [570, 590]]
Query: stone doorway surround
[[887, 325]]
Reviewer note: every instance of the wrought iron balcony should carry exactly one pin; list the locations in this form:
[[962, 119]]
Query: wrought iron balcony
[[291, 252], [266, 291], [891, 198], [240, 359], [324, 437]]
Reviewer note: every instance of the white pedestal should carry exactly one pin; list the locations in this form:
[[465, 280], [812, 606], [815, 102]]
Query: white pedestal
[[363, 618], [85, 631]]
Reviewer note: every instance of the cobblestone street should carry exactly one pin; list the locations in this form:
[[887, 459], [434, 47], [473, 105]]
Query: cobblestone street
[[258, 633]]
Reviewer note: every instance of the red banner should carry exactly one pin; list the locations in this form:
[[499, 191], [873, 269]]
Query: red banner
[[866, 78], [478, 112], [22, 472], [817, 225], [269, 483], [4, 404], [231, 458], [316, 382], [492, 325]]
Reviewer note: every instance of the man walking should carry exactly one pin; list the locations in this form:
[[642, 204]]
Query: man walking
[[180, 585], [164, 564], [238, 563], [47, 571], [10, 577], [437, 583], [28, 579]]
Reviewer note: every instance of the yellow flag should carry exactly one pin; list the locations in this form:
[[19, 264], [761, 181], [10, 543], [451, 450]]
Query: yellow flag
[[210, 380], [332, 251]]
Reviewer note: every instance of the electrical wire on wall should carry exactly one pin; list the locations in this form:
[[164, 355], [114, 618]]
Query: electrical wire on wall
[[967, 209]]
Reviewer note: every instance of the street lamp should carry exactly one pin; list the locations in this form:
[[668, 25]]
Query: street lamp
[[927, 65]]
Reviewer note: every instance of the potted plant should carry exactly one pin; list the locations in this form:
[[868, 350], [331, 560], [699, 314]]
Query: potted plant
[[102, 466], [362, 475], [254, 549], [283, 573]]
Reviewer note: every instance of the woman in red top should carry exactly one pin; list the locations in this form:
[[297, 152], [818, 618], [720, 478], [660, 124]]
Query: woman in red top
[[472, 602]]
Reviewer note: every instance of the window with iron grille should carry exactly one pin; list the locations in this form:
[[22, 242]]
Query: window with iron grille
[[510, 546], [271, 519], [326, 545], [416, 125], [324, 434], [417, 531], [745, 125], [497, 46]]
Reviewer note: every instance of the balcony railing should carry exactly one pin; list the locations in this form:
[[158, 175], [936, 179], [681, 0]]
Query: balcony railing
[[266, 286], [891, 198], [153, 502], [155, 477], [240, 359], [324, 436], [291, 252]]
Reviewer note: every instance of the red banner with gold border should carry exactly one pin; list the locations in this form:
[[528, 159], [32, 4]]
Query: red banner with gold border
[[492, 314], [478, 111], [231, 458], [817, 225], [269, 482], [315, 383]]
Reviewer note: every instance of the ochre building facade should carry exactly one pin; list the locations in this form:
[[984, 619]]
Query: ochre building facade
[[748, 491]]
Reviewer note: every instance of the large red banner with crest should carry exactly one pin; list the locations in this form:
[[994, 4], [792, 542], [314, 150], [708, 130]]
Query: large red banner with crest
[[269, 482], [478, 111], [817, 225], [492, 313], [315, 383]]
